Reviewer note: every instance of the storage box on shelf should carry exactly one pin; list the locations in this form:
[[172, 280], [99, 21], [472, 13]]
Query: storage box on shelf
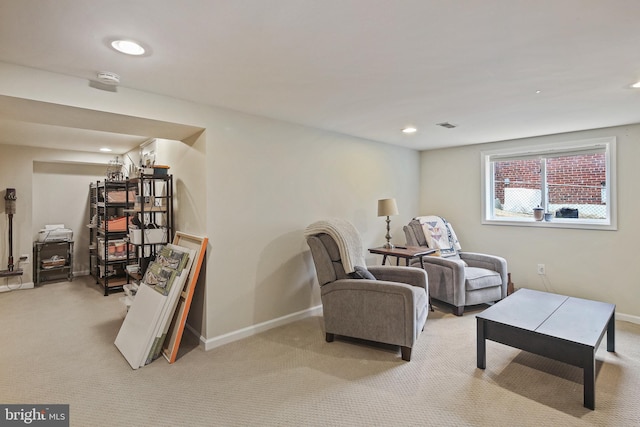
[[115, 224], [116, 249], [120, 196], [150, 203], [152, 236]]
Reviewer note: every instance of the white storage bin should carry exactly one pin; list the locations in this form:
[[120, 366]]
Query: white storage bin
[[151, 236]]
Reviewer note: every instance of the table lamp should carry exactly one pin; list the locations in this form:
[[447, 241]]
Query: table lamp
[[387, 207]]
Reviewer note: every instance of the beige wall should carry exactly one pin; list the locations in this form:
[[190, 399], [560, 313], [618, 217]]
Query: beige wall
[[61, 196], [25, 168], [251, 185], [592, 264], [267, 181]]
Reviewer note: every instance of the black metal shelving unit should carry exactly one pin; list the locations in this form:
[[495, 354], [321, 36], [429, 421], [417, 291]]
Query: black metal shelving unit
[[153, 210], [44, 269], [110, 252]]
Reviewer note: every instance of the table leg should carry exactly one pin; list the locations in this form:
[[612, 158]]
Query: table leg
[[397, 261], [611, 333], [384, 259], [481, 345], [590, 379], [422, 265]]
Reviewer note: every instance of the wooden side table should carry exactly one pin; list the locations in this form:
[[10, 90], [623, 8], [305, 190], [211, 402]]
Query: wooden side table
[[406, 252]]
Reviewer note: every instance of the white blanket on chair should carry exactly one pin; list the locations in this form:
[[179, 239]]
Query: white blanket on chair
[[346, 237], [439, 234]]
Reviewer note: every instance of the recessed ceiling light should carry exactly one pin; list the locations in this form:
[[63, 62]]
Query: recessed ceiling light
[[409, 129], [128, 46], [636, 85], [538, 91], [105, 150]]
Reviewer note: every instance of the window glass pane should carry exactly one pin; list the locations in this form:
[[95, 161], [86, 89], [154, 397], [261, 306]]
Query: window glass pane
[[574, 182], [517, 187], [576, 186]]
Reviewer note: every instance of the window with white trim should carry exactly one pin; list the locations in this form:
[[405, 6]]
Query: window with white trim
[[570, 184]]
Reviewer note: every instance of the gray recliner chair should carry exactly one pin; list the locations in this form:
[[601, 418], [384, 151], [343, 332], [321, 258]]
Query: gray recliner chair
[[460, 278], [390, 307]]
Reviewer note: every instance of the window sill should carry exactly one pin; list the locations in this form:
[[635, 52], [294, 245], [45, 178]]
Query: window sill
[[554, 223]]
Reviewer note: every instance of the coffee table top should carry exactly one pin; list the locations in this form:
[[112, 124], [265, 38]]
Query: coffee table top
[[573, 319]]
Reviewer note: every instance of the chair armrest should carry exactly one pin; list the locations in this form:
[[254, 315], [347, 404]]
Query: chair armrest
[[490, 262], [452, 264], [366, 285], [409, 275], [375, 310]]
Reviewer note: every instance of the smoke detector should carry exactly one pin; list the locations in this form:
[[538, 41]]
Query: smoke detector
[[108, 78]]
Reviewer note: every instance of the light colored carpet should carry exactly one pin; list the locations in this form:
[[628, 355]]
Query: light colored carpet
[[57, 347]]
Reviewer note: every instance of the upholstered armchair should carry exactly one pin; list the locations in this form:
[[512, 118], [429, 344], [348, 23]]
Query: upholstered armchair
[[379, 303], [456, 277]]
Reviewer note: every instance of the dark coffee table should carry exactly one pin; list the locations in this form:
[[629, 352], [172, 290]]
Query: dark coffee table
[[563, 328]]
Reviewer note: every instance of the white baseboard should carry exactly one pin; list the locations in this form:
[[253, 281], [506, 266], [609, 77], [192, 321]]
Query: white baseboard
[[211, 343], [628, 318], [16, 286]]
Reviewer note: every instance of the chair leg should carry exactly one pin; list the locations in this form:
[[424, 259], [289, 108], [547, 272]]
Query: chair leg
[[458, 310], [406, 353], [329, 337]]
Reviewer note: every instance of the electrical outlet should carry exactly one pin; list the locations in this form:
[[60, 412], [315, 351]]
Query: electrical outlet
[[24, 259], [541, 269]]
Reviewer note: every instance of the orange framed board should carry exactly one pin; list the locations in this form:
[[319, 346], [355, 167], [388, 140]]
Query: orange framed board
[[176, 329]]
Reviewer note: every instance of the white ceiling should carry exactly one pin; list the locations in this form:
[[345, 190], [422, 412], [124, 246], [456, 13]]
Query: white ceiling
[[365, 68]]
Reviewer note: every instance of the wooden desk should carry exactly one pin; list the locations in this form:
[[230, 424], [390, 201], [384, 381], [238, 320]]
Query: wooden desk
[[406, 252]]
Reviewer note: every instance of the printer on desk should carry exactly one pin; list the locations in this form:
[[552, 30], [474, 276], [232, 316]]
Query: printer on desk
[[55, 233]]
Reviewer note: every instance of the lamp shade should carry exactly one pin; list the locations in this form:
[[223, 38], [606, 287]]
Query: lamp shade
[[387, 207]]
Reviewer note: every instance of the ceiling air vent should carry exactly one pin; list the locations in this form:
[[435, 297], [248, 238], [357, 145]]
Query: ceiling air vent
[[446, 125]]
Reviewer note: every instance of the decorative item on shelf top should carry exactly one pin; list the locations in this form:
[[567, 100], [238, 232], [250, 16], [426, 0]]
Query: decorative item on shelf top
[[114, 170], [387, 207], [538, 213], [155, 170], [160, 170]]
